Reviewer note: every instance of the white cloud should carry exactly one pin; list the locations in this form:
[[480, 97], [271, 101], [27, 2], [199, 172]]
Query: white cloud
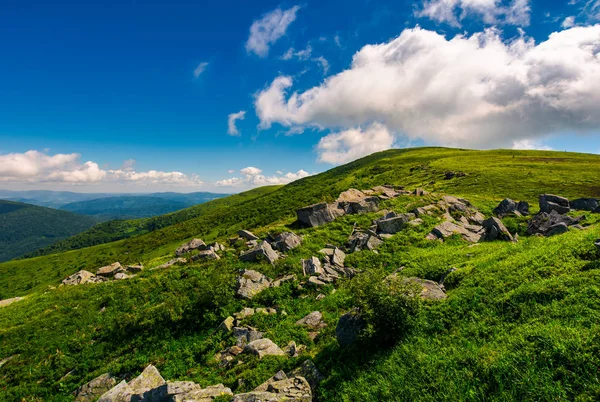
[[323, 62], [231, 119], [348, 145], [200, 69], [37, 167], [231, 171], [490, 11], [474, 91], [253, 177], [530, 145], [269, 29], [291, 53], [568, 22]]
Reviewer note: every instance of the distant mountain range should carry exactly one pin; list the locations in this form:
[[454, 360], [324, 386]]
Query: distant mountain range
[[106, 206], [25, 227]]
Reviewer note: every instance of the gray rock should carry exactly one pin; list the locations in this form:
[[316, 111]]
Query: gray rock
[[263, 347], [280, 375], [171, 263], [94, 389], [286, 278], [194, 244], [446, 229], [313, 321], [79, 278], [542, 222], [135, 269], [349, 327], [120, 393], [246, 335], [419, 192], [495, 230], [119, 276], [250, 283], [506, 207], [430, 290], [286, 241], [243, 313], [584, 204], [312, 266], [110, 270], [559, 228], [338, 257], [318, 214], [204, 395], [354, 201], [216, 247], [363, 240], [308, 371], [247, 235], [597, 244], [523, 208], [181, 387], [295, 389], [206, 255], [313, 280], [148, 386], [227, 324], [394, 224], [261, 252], [549, 203]]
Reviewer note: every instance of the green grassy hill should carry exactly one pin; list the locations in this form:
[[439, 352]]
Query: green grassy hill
[[25, 227], [519, 323]]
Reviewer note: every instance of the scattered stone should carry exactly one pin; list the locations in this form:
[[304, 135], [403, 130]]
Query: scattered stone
[[216, 247], [510, 207], [452, 175], [388, 192], [313, 321], [294, 389], [247, 235], [543, 222], [6, 302], [92, 390], [320, 296], [443, 278], [309, 371], [246, 335], [363, 240], [245, 312], [263, 347], [416, 222], [110, 270], [313, 280], [206, 255], [81, 277], [394, 224], [194, 244], [349, 327], [312, 266], [559, 228], [318, 214], [446, 229], [419, 192], [338, 257], [286, 278], [280, 375], [286, 241], [250, 283], [584, 204], [495, 230], [171, 263], [227, 325], [262, 252], [355, 201], [119, 276], [549, 203]]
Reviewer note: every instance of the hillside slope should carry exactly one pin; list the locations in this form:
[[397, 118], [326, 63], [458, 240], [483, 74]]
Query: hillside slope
[[518, 323], [124, 207], [25, 227]]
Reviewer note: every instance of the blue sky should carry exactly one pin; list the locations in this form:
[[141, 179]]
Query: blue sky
[[136, 95]]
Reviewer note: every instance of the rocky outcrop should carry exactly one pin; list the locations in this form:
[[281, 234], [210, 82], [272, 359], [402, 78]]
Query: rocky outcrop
[[550, 223], [308, 371], [109, 271], [312, 321], [263, 347], [312, 266], [363, 240], [393, 223], [430, 290], [349, 327], [584, 204], [549, 203], [194, 244], [82, 277], [295, 389], [495, 230], [261, 252], [318, 214], [203, 395], [355, 201], [250, 283], [334, 256], [280, 375], [206, 255], [94, 389], [286, 241], [446, 229], [246, 335], [510, 207], [245, 234]]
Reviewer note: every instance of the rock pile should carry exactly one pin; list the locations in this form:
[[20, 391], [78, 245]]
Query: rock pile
[[250, 283], [510, 207], [194, 244], [259, 253], [550, 224], [329, 270], [113, 271]]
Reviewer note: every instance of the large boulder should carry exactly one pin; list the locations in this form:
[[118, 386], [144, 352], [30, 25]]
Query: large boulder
[[263, 347], [261, 252], [312, 266], [355, 201], [245, 234], [557, 229], [312, 321], [495, 230], [79, 278], [334, 256], [543, 222], [446, 229], [309, 371], [584, 204], [245, 335], [181, 387], [430, 290], [295, 389], [111, 270], [510, 207], [549, 203], [280, 375], [148, 386], [206, 255], [94, 389], [318, 214], [363, 240], [349, 327], [119, 393], [286, 241], [203, 395], [194, 244], [393, 224], [250, 283]]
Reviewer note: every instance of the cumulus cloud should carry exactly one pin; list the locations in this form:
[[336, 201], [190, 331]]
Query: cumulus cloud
[[474, 91], [269, 29], [568, 22], [200, 69], [492, 12], [253, 177], [530, 145], [322, 61], [348, 145], [231, 119], [38, 167]]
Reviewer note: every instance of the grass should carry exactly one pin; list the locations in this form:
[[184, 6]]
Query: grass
[[519, 323]]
